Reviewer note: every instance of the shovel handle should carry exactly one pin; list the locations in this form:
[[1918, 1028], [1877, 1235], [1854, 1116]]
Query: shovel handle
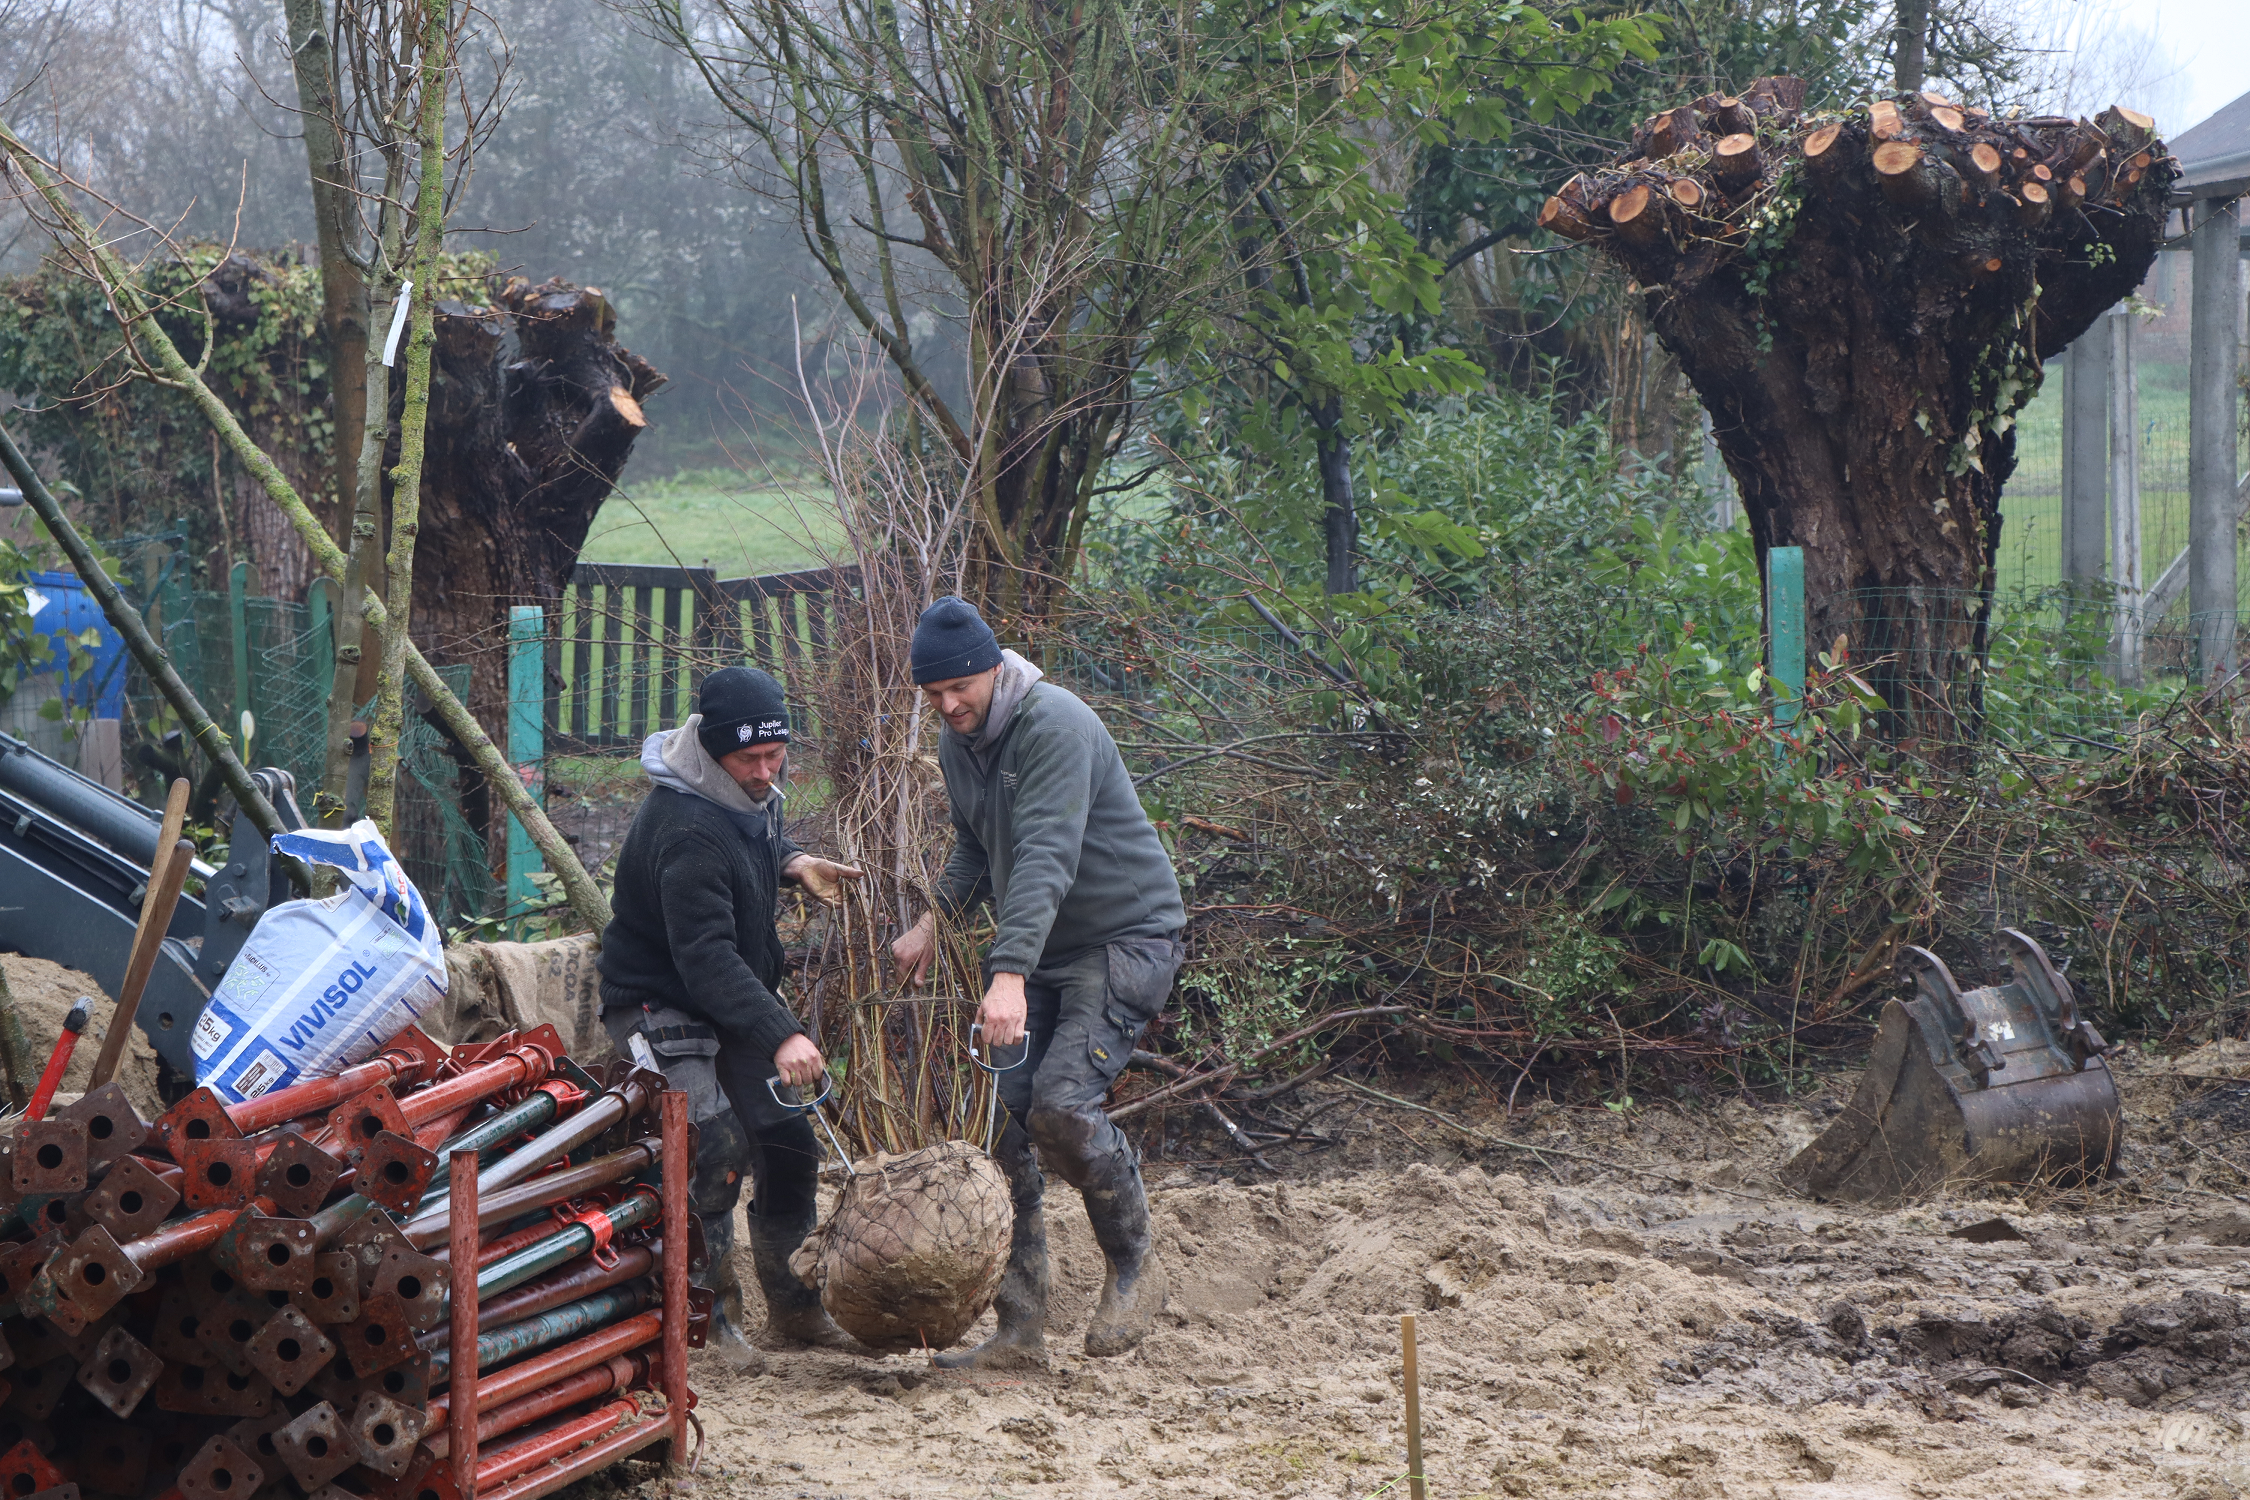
[[156, 916]]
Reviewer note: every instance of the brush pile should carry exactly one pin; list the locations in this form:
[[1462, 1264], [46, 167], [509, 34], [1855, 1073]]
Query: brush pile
[[253, 1299]]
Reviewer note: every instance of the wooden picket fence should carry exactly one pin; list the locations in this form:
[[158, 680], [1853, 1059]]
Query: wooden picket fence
[[632, 642]]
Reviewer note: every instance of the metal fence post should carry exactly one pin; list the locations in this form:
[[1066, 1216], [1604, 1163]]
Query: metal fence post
[[2085, 459], [2125, 498], [238, 624], [2213, 451], [1785, 633], [527, 712]]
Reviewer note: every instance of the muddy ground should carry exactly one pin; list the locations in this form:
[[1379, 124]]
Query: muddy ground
[[1608, 1303], [1649, 1315]]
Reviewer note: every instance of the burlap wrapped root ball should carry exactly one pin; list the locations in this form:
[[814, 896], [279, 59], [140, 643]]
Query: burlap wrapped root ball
[[915, 1249]]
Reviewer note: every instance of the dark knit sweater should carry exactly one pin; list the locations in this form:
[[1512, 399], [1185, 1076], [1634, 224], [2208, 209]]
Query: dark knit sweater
[[692, 922], [1053, 832]]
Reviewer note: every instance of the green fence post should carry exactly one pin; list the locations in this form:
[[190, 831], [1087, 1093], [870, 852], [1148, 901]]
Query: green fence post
[[1785, 632], [238, 622], [527, 709]]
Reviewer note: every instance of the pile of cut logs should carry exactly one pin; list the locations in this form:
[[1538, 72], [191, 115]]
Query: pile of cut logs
[[241, 1300], [1691, 170]]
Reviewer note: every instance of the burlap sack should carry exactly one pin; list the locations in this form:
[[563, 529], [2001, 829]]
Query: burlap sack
[[496, 987], [914, 1251]]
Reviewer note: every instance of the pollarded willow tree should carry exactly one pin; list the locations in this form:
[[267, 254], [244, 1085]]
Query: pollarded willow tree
[[1863, 301]]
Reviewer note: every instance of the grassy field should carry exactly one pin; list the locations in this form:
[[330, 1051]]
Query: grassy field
[[745, 525], [740, 525]]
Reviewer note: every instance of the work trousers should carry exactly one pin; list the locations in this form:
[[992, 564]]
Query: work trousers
[[742, 1129], [1081, 1021]]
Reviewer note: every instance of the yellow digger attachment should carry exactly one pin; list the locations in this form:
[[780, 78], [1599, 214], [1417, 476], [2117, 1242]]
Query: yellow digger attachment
[[2002, 1084]]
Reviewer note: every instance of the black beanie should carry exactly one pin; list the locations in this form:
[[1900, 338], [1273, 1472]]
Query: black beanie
[[741, 706], [951, 641]]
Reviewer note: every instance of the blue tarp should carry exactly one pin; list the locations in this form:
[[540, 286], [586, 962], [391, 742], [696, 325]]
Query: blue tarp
[[61, 607]]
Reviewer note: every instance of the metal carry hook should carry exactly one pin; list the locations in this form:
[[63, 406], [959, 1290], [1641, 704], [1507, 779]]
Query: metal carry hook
[[812, 1107], [992, 1105]]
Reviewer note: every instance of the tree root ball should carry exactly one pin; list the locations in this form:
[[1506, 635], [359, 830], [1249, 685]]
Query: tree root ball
[[914, 1251]]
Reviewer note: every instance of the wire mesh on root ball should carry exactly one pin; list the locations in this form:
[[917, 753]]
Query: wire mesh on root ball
[[915, 1249]]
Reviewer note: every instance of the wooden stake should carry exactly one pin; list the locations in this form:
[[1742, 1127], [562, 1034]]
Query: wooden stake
[[1417, 1486]]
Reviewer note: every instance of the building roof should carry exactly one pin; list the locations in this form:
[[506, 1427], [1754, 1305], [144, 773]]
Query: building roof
[[2215, 155]]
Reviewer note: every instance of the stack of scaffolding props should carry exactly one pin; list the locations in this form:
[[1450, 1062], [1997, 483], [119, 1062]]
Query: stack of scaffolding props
[[434, 1275]]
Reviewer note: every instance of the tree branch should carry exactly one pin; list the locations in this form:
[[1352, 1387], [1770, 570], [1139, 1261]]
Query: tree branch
[[585, 897]]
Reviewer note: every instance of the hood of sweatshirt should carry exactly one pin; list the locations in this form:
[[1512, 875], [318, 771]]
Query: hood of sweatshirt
[[675, 758], [1016, 678]]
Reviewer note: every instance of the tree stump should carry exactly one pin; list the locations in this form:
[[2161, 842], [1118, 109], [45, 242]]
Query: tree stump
[[1863, 300], [534, 408]]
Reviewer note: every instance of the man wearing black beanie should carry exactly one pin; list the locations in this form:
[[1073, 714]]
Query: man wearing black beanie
[[690, 964], [1088, 916]]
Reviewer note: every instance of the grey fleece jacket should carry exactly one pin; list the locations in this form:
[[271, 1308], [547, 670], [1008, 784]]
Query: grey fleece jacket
[[1047, 824]]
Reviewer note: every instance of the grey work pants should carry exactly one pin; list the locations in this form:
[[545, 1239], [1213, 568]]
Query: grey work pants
[[1081, 1021]]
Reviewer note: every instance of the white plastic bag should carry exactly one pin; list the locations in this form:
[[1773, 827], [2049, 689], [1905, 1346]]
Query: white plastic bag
[[321, 985]]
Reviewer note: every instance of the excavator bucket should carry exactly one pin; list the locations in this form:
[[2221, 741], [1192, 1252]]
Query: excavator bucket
[[2002, 1084]]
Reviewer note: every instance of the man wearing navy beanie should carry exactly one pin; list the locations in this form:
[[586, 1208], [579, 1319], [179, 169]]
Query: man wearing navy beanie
[[1088, 916], [691, 964]]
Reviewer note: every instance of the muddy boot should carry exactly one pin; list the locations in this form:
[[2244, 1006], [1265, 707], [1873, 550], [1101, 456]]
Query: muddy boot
[[1020, 1342], [1136, 1288], [715, 1195], [793, 1311]]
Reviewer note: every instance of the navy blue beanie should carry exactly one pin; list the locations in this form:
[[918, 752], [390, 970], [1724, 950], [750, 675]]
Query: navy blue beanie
[[741, 707], [951, 641]]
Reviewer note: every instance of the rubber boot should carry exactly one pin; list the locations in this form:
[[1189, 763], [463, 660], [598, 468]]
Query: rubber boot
[[715, 1194], [725, 1336], [793, 1311], [1020, 1342], [1136, 1288]]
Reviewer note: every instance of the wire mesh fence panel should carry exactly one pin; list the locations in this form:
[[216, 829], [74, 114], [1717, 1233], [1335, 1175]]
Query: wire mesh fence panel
[[444, 853], [2030, 548]]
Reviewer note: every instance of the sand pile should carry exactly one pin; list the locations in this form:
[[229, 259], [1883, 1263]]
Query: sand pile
[[44, 993]]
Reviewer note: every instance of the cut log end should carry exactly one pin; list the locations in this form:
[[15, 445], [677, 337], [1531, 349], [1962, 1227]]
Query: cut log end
[[2128, 125], [1896, 158], [1687, 192], [1724, 115], [1984, 163], [1629, 209], [1559, 216], [1948, 118], [1884, 121], [1736, 161], [621, 401]]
